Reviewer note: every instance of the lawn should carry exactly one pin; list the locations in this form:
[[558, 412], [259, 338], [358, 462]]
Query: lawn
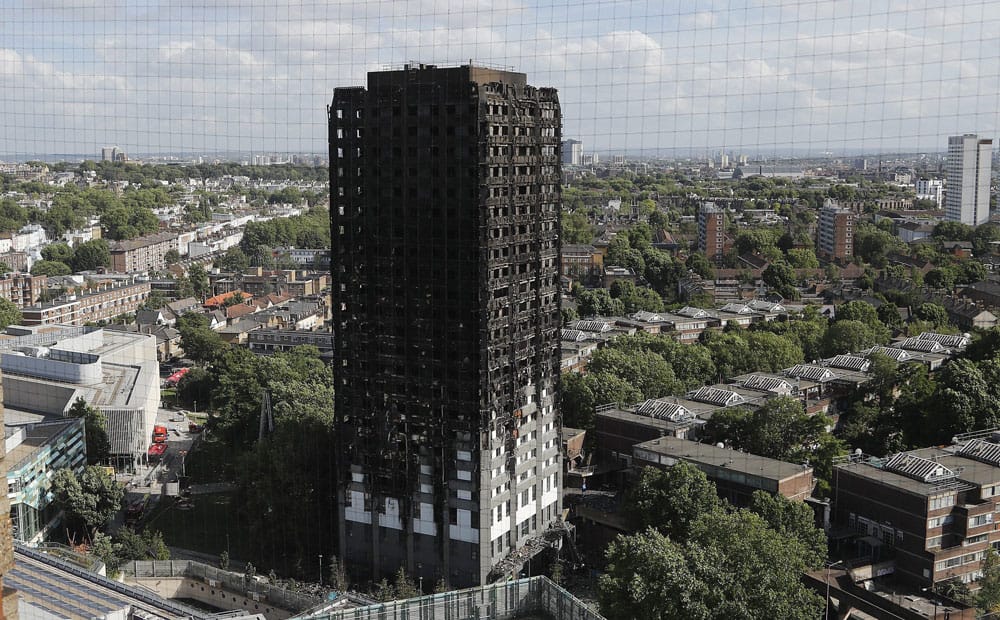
[[211, 460], [208, 526]]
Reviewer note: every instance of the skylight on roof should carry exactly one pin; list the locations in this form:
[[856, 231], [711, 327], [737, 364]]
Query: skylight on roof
[[919, 468]]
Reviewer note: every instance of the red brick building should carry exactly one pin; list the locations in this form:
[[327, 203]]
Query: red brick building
[[933, 510], [712, 231], [835, 233]]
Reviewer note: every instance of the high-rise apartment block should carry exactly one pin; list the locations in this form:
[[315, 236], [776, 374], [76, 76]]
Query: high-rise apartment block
[[967, 194], [712, 231], [445, 202], [572, 152], [835, 233]]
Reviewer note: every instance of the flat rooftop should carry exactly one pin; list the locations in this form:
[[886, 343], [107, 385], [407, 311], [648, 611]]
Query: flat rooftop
[[723, 458], [969, 472], [34, 438], [65, 591]]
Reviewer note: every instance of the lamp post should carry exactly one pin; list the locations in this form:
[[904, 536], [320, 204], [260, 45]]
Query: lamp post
[[829, 565], [321, 570], [930, 593]]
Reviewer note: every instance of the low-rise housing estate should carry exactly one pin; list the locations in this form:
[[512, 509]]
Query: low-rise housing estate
[[103, 303], [931, 512]]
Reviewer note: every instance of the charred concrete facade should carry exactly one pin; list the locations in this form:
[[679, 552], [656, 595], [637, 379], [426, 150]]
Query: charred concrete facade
[[445, 203]]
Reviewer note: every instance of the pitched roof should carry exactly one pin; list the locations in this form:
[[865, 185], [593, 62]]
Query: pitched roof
[[237, 310], [716, 396], [218, 300], [765, 383], [663, 410], [850, 362], [808, 371]]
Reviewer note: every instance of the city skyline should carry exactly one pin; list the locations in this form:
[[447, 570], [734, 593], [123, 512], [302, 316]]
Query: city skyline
[[846, 77]]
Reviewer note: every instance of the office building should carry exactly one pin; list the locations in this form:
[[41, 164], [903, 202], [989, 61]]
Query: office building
[[445, 261], [967, 194], [572, 152], [36, 452], [835, 233], [712, 231], [47, 368]]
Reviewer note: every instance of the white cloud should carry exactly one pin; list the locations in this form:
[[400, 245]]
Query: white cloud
[[637, 75]]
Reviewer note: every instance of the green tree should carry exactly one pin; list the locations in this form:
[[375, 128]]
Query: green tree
[[934, 314], [732, 566], [155, 301], [888, 313], [172, 257], [199, 341], [697, 263], [148, 545], [577, 401], [755, 240], [755, 571], [943, 278], [199, 281], [771, 353], [233, 260], [647, 576], [196, 387], [235, 300], [781, 278], [648, 372], [952, 231], [988, 597], [404, 586], [794, 520], [780, 430], [576, 228], [91, 255], [858, 311], [89, 501], [288, 514], [969, 272], [803, 259], [851, 337], [10, 314], [636, 298], [95, 425], [598, 302], [58, 252], [104, 547], [671, 499], [50, 268]]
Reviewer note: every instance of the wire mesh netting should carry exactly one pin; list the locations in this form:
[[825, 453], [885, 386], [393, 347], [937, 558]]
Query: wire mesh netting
[[635, 76]]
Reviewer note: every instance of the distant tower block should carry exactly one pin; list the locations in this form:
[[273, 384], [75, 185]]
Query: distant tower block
[[967, 194]]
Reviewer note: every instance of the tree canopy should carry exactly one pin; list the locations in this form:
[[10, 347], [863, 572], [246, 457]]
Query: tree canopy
[[89, 500]]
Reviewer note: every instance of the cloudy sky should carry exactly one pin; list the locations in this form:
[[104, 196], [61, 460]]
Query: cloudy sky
[[637, 76]]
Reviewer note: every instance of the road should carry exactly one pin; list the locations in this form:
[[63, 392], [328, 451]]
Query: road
[[179, 442]]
